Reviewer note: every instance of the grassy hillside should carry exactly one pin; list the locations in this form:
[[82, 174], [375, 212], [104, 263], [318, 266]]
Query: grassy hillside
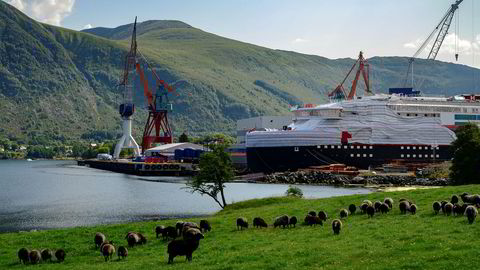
[[58, 84], [389, 241]]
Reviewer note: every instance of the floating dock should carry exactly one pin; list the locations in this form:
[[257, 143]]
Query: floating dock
[[142, 168]]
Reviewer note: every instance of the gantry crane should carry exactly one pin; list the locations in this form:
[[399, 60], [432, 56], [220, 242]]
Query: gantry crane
[[363, 68]]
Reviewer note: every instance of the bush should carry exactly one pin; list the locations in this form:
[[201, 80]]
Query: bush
[[294, 191], [466, 160]]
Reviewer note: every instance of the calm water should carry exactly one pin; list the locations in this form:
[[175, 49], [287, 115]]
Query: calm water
[[54, 194]]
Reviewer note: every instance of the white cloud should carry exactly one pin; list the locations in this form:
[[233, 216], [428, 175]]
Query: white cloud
[[88, 26], [47, 11], [414, 44], [451, 44], [299, 40]]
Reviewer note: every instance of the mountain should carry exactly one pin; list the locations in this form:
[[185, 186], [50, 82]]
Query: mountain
[[60, 84]]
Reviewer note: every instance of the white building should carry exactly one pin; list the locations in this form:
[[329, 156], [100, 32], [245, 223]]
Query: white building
[[260, 122]]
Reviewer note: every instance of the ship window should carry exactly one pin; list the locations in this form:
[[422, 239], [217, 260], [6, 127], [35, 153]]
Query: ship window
[[438, 155], [426, 115], [431, 156], [401, 147], [408, 114], [351, 146], [326, 146], [371, 155], [351, 155], [408, 155], [345, 147], [402, 155], [296, 149], [358, 146], [333, 146], [408, 147], [416, 114], [319, 146], [414, 155], [437, 148], [339, 147], [371, 147], [364, 147], [364, 155], [358, 155], [414, 147], [420, 147]]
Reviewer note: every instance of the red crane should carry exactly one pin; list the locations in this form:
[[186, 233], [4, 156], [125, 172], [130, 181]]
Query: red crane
[[363, 68]]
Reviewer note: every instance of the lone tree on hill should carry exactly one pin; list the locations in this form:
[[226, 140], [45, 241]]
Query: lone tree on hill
[[466, 157], [183, 138], [215, 170]]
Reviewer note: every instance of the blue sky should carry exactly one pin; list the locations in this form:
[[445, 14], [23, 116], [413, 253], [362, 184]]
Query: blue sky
[[334, 29]]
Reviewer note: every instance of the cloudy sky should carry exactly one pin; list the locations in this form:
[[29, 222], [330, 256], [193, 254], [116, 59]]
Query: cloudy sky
[[334, 29]]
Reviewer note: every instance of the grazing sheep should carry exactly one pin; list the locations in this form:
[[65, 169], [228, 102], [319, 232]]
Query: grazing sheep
[[281, 221], [47, 255], [352, 208], [367, 202], [454, 199], [377, 205], [143, 238], [457, 209], [34, 256], [23, 255], [107, 251], [191, 225], [389, 202], [292, 221], [471, 213], [313, 220], [122, 252], [159, 230], [60, 255], [179, 227], [436, 207], [464, 207], [192, 234], [205, 225], [404, 206], [181, 248], [363, 208], [384, 208], [343, 213], [469, 198], [133, 239], [448, 209], [169, 232], [323, 215], [99, 239], [336, 226], [312, 213], [413, 209], [242, 223], [370, 211], [259, 222]]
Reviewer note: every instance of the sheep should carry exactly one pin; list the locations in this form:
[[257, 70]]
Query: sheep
[[60, 255], [457, 209], [367, 202], [259, 222], [103, 244], [312, 220], [389, 202], [47, 255], [471, 213], [384, 208], [192, 234], [448, 209], [413, 209], [464, 207], [323, 215], [143, 239], [312, 213], [133, 239], [242, 223], [436, 207], [108, 250], [181, 248], [352, 208], [179, 227], [370, 211], [443, 203], [205, 225], [169, 232], [191, 225], [23, 255], [292, 221], [454, 199], [404, 206], [377, 205], [34, 256], [281, 221], [99, 239], [336, 226], [363, 207], [470, 198], [122, 252], [159, 230], [343, 213]]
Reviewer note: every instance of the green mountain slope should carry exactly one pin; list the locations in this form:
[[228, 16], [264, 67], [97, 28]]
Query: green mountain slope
[[57, 83]]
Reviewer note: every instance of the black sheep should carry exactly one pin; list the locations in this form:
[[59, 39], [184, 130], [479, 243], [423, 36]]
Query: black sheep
[[47, 255], [363, 207], [205, 225], [370, 211], [377, 205], [169, 232], [181, 248], [343, 213], [60, 255], [34, 256], [454, 199], [323, 215], [352, 208], [443, 203], [281, 221], [122, 252], [159, 230], [436, 207], [23, 255], [384, 208], [242, 223], [336, 226], [312, 213], [99, 239], [404, 206], [133, 239], [312, 220], [192, 234], [457, 210], [471, 213], [448, 208], [413, 209], [259, 222], [389, 202], [292, 221]]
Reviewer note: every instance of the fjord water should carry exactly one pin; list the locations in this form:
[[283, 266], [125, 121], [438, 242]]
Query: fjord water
[[55, 194]]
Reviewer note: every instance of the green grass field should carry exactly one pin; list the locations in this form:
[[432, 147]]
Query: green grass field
[[390, 241]]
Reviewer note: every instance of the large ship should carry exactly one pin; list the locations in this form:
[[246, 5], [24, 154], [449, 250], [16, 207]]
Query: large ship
[[364, 132]]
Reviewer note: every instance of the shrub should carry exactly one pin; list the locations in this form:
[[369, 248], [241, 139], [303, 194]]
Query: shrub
[[294, 191]]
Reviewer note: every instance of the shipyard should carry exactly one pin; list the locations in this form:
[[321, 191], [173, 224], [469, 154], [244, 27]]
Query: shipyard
[[239, 134]]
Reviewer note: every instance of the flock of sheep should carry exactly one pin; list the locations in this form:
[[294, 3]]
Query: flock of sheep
[[192, 233]]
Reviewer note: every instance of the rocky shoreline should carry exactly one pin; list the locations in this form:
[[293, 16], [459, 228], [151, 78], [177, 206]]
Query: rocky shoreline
[[323, 178]]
